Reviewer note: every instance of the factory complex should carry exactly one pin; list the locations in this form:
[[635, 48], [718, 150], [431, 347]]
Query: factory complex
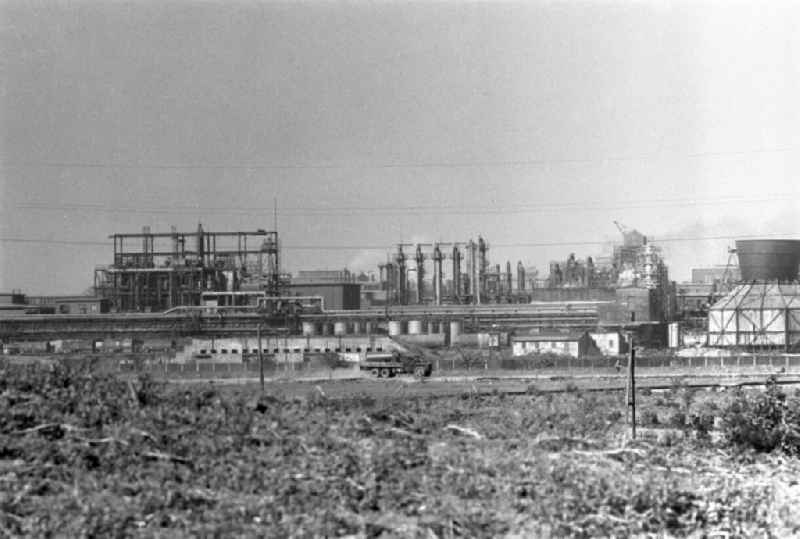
[[214, 294]]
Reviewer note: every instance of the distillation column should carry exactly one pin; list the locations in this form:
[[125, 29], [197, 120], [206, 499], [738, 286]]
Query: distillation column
[[401, 276], [472, 267], [456, 274], [437, 275], [483, 265], [520, 276], [420, 258], [509, 280]]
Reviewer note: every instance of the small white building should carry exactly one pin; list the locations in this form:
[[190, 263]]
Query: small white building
[[563, 344], [610, 343]]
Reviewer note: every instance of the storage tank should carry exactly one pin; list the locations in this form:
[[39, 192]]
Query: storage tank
[[395, 328], [414, 327], [309, 329], [768, 260], [339, 328], [455, 331]]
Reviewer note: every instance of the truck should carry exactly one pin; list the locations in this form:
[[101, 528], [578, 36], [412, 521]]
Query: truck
[[389, 364]]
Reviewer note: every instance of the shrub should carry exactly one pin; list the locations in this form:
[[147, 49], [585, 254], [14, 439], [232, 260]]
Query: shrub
[[678, 420], [763, 422], [649, 418]]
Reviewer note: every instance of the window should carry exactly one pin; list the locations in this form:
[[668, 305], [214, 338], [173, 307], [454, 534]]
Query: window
[[327, 349], [296, 350], [224, 350], [316, 349], [213, 350], [276, 351], [379, 349], [235, 351], [358, 349], [338, 349], [347, 349], [611, 343], [369, 349], [255, 350], [203, 351], [306, 350], [286, 350]]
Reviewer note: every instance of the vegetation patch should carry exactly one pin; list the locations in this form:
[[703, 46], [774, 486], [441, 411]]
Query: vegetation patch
[[88, 454]]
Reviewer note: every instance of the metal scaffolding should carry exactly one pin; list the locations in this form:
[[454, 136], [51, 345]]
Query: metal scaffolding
[[153, 272]]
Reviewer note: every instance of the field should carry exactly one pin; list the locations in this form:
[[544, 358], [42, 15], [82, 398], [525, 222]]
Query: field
[[84, 453]]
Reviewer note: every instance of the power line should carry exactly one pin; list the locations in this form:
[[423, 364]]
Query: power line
[[389, 246], [353, 165], [415, 209]]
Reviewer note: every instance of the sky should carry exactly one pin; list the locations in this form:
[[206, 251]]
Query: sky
[[533, 124]]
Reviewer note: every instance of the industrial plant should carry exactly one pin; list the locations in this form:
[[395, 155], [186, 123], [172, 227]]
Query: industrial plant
[[208, 285]]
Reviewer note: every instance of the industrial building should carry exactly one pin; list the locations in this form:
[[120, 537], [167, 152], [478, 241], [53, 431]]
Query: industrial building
[[634, 280], [16, 303], [335, 296], [472, 279], [575, 344], [763, 310], [154, 272]]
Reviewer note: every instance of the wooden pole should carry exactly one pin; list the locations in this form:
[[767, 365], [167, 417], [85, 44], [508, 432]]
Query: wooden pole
[[260, 357], [632, 387]]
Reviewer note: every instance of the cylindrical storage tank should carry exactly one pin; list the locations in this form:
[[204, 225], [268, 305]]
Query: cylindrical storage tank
[[395, 328], [768, 260], [455, 331], [339, 328], [367, 327], [309, 329], [414, 327], [431, 327]]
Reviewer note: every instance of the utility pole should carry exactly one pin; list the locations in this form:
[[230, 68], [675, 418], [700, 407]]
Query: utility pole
[[631, 389], [260, 357]]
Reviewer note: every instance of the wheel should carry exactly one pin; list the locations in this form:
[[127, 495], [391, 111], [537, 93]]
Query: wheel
[[385, 372], [419, 371], [375, 373]]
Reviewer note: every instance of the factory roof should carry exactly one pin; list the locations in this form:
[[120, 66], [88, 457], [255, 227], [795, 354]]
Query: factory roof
[[550, 337], [761, 296]]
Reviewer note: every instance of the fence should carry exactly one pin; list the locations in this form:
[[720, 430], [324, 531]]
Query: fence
[[771, 363]]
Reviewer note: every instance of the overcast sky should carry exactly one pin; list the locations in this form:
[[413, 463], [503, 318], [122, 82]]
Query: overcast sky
[[529, 123]]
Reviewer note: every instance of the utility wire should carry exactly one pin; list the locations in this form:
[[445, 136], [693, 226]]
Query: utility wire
[[389, 246], [415, 209], [425, 164]]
